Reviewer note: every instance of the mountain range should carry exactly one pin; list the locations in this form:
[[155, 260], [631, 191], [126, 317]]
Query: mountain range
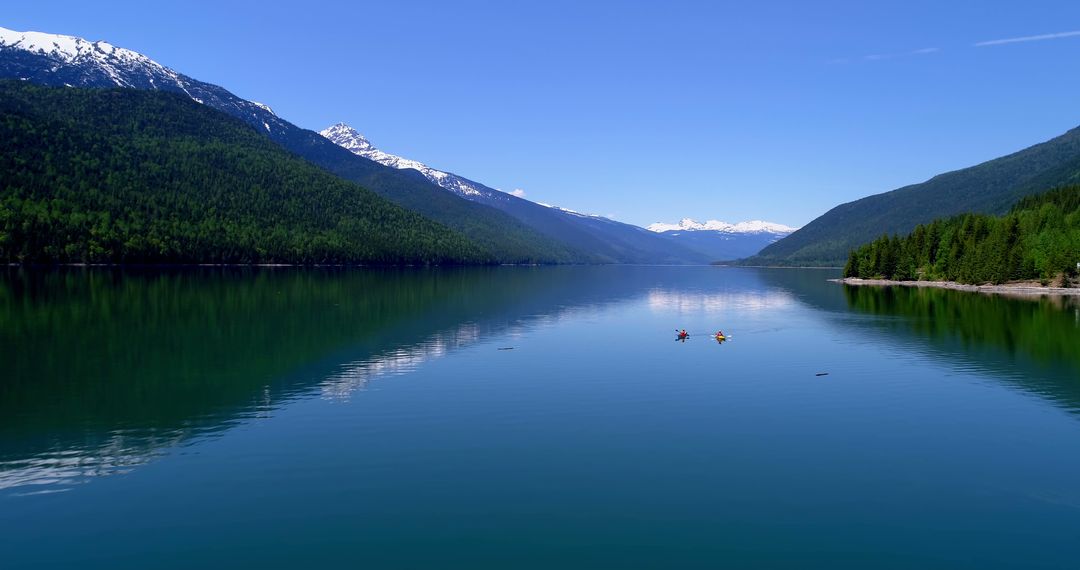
[[351, 140], [510, 228], [57, 60], [722, 241], [607, 240]]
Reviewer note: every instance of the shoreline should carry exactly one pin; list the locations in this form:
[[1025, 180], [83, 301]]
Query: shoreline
[[716, 264], [1016, 289]]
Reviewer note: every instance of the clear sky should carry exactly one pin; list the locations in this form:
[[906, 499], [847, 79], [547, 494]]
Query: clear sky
[[644, 111]]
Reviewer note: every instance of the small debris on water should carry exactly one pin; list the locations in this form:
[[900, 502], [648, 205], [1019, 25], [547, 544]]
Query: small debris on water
[[822, 374]]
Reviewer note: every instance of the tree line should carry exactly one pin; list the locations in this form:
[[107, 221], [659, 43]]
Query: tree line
[[1038, 239]]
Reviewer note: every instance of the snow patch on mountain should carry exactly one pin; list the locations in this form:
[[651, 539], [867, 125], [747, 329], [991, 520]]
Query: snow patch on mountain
[[572, 212], [113, 60], [68, 48], [748, 227], [262, 106], [54, 59], [350, 139], [722, 241]]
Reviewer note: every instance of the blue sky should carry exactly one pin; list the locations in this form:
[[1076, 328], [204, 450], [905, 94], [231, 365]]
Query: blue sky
[[645, 111]]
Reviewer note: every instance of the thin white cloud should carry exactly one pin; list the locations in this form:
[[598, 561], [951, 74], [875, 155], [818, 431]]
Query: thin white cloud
[[1022, 39], [931, 50], [517, 192], [884, 56]]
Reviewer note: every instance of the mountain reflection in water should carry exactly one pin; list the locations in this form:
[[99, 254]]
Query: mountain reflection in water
[[107, 369]]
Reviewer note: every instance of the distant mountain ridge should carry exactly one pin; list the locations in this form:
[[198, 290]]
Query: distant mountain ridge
[[722, 241], [987, 188], [748, 227], [607, 240], [351, 140]]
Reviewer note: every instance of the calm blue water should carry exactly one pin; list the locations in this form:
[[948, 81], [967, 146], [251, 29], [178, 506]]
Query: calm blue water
[[285, 418]]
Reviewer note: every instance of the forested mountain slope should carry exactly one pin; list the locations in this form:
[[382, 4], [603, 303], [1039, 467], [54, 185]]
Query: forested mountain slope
[[988, 188], [126, 176]]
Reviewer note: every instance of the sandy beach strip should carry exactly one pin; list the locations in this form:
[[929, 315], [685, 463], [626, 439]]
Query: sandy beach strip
[[1025, 288]]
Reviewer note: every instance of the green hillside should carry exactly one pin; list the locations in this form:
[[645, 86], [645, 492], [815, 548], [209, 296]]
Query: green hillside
[[988, 188], [1038, 239], [124, 176]]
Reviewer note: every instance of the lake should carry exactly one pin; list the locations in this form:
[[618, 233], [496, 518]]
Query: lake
[[532, 418]]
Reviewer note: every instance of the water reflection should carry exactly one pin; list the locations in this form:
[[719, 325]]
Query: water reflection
[[354, 376], [597, 434], [1029, 343], [693, 303], [106, 369], [57, 470]]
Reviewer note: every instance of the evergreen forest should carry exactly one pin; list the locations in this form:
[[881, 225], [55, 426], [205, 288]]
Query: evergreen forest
[[126, 176], [1038, 239]]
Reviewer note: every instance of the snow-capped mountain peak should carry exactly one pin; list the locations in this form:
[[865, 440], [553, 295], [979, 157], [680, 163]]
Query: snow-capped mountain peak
[[722, 240], [747, 227], [73, 50], [54, 59], [350, 139]]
